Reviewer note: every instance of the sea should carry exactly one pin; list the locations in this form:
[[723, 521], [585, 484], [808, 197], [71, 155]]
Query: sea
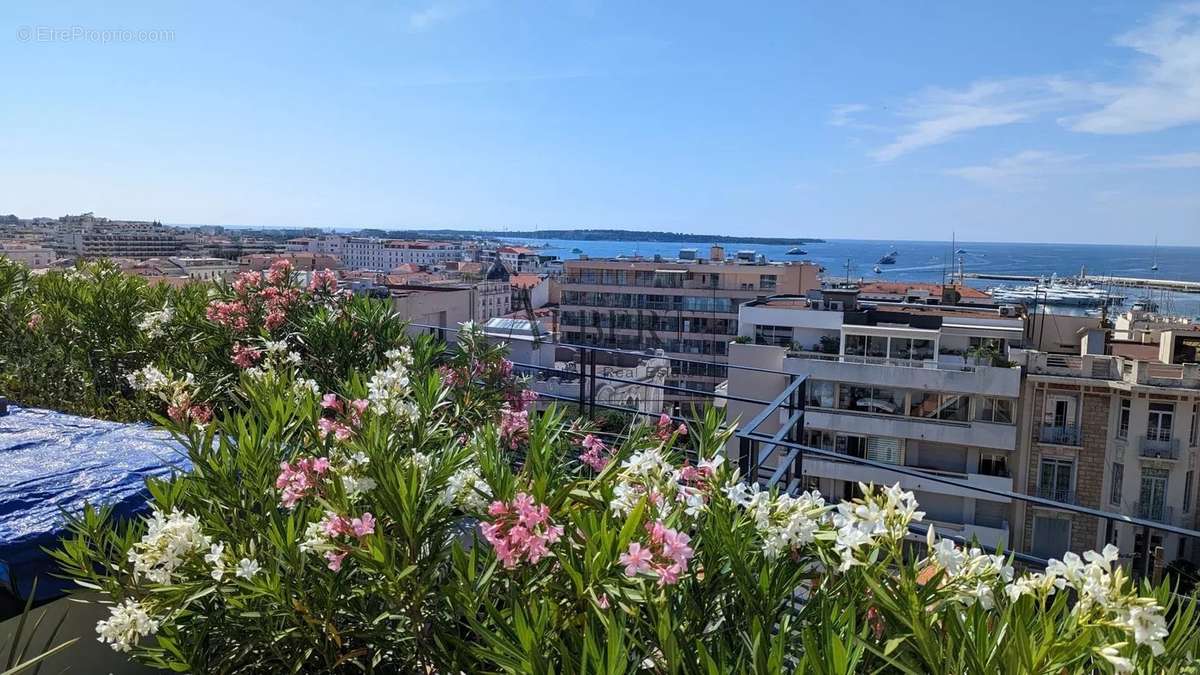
[[933, 261]]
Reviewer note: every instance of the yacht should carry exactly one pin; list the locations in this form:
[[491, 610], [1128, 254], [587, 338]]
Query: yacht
[[889, 259], [961, 251], [797, 251], [1069, 292], [576, 250]]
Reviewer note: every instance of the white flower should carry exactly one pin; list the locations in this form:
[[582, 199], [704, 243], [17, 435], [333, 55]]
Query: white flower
[[149, 379], [466, 488], [356, 486], [215, 557], [169, 540], [304, 386], [1119, 663], [126, 624], [152, 322], [388, 388], [246, 568], [314, 538], [1148, 626]]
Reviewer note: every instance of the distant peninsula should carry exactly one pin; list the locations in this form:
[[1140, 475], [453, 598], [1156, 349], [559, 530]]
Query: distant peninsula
[[606, 235]]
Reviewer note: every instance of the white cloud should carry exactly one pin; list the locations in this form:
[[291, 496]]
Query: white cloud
[[1178, 160], [843, 114], [1022, 170], [1166, 91], [438, 12]]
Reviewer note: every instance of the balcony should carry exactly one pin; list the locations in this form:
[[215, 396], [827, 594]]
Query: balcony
[[963, 485], [1059, 434], [1156, 448], [1055, 494], [1156, 512], [907, 374]]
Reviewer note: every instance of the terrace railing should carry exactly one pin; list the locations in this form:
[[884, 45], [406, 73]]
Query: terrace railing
[[776, 460]]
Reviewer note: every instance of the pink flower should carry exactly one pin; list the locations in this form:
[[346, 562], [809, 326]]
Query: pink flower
[[245, 356], [200, 414], [274, 319], [636, 560], [323, 282], [342, 432], [602, 601], [280, 272], [327, 426], [331, 402], [35, 321], [596, 454], [514, 426], [522, 530], [360, 404], [300, 480], [363, 525], [675, 546], [335, 558]]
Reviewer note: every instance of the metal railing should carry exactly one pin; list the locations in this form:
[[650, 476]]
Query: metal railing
[[776, 459], [1158, 448], [1155, 511], [1056, 494], [1059, 434]]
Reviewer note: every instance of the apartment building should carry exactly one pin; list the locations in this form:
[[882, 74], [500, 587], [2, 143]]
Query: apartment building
[[31, 254], [688, 308], [1115, 427], [87, 236], [379, 254], [918, 385]]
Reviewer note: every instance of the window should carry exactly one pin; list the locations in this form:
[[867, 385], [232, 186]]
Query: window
[[995, 410], [820, 394], [1153, 494], [878, 400], [1118, 477], [1195, 439], [779, 336], [993, 464], [856, 345], [1159, 422], [885, 450], [768, 282], [1056, 479], [922, 350], [901, 348], [1050, 536], [955, 407], [1123, 418], [1187, 492], [877, 346], [1059, 412]]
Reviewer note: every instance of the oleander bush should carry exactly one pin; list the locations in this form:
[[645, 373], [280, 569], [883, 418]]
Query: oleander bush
[[364, 503], [426, 517], [80, 340]]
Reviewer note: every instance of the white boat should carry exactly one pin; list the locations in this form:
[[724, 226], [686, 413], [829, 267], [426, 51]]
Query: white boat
[[1073, 293]]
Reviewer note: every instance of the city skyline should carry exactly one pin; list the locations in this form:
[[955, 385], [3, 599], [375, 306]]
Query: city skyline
[[1021, 123]]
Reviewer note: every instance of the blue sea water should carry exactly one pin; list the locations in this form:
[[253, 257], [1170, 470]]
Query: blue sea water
[[931, 260]]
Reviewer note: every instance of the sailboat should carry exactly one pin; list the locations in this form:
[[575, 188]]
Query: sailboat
[[1154, 267]]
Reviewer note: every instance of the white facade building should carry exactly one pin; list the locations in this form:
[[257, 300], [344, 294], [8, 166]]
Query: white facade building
[[379, 254]]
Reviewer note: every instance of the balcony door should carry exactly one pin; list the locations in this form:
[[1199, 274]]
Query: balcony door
[[1154, 493], [1056, 478], [1060, 412], [1158, 424]]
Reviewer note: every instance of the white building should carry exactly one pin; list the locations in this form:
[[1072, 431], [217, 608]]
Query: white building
[[379, 254], [905, 384], [31, 254]]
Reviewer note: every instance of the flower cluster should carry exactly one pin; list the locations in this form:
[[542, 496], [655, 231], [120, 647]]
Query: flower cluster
[[177, 394], [245, 356], [1099, 587], [467, 490], [880, 514], [388, 389], [595, 453], [336, 535], [972, 573], [259, 300], [300, 479], [169, 541], [647, 474], [520, 529], [514, 426], [152, 323], [341, 418], [521, 399], [126, 624], [784, 523], [666, 555], [273, 358], [246, 568], [663, 429]]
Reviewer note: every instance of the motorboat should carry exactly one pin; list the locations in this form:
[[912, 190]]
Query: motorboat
[[889, 259], [797, 251], [877, 270]]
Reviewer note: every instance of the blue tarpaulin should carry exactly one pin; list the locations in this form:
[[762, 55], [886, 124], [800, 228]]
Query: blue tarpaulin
[[51, 463]]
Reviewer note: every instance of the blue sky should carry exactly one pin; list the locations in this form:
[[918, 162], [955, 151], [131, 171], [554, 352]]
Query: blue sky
[[1024, 121]]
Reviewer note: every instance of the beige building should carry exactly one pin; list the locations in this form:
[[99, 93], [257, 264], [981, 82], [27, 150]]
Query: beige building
[[1114, 427], [918, 385], [31, 254], [686, 307]]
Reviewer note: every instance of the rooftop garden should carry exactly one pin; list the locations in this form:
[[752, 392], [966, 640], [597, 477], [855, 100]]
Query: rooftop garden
[[363, 502]]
